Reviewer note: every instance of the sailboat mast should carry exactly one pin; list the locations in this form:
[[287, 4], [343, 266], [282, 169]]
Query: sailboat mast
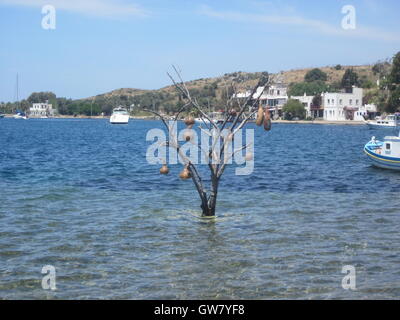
[[17, 87]]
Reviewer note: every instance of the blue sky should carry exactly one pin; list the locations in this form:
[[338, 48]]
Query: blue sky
[[101, 45]]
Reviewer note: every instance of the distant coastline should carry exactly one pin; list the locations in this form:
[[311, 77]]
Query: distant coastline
[[153, 118]]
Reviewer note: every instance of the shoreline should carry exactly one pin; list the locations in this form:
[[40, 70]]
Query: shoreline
[[350, 122]]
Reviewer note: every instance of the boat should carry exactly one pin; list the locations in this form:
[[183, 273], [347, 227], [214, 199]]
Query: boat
[[120, 115], [390, 121], [205, 120], [20, 115], [384, 154], [2, 115], [215, 117]]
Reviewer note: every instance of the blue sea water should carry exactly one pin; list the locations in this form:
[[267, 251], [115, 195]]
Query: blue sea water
[[80, 196]]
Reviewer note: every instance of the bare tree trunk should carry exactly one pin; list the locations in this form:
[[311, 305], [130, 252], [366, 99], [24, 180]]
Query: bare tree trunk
[[208, 202], [212, 202], [209, 206]]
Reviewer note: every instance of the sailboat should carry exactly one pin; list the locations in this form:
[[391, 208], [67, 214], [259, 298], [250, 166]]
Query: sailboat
[[19, 114]]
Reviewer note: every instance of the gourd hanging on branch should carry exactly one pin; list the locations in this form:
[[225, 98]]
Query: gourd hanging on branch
[[260, 115], [164, 169], [189, 121], [267, 119], [185, 173]]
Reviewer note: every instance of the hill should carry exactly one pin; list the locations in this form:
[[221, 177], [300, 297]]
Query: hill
[[210, 91]]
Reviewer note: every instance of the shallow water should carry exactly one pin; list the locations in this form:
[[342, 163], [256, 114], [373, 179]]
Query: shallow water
[[79, 195]]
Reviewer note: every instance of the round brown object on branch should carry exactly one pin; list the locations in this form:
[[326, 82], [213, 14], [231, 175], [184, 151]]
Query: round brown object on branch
[[185, 174], [267, 119], [260, 116], [164, 169], [189, 121]]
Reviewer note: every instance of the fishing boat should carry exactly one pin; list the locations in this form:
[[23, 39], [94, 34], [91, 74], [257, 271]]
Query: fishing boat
[[384, 154], [120, 115], [390, 121]]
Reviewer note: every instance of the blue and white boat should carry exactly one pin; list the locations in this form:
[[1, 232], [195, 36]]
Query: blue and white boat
[[384, 154]]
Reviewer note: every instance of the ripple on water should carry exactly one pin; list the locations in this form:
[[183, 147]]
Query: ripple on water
[[79, 195]]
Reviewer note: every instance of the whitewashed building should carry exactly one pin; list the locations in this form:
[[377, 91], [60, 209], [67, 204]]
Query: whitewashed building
[[311, 111], [41, 110], [367, 110], [340, 106], [335, 106], [275, 96]]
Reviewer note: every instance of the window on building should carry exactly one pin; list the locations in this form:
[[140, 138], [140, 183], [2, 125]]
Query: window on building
[[340, 101], [351, 101], [357, 102]]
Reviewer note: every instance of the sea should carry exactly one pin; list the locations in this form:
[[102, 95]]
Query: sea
[[314, 220]]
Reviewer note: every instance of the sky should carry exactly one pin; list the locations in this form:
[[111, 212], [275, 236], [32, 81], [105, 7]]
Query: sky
[[101, 45]]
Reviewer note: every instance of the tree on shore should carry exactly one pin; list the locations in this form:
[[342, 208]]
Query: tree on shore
[[308, 88], [237, 112], [350, 79], [294, 108], [315, 75], [39, 97], [393, 103], [317, 101]]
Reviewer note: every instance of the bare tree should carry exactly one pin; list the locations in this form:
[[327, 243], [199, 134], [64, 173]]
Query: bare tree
[[238, 110]]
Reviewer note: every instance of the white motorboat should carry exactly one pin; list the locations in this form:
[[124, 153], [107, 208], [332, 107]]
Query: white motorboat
[[120, 115], [20, 115], [215, 117], [390, 121], [384, 154]]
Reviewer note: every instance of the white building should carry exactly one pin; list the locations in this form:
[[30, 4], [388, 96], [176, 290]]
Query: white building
[[275, 96], [311, 111], [338, 106], [341, 106], [364, 111], [41, 110]]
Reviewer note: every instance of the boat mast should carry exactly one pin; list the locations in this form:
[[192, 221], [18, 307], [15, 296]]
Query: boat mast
[[18, 104], [17, 87]]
